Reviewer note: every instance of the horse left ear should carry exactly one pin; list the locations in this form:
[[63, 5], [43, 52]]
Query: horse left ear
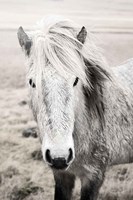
[[82, 35], [24, 41]]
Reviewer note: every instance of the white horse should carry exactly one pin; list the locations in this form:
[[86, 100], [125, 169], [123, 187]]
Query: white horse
[[83, 109]]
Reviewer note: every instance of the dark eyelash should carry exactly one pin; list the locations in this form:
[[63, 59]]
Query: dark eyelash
[[32, 83], [75, 82]]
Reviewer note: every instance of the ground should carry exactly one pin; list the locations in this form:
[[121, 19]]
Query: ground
[[22, 176]]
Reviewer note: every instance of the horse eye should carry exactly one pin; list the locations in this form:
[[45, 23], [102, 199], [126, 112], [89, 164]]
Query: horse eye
[[76, 81], [32, 83]]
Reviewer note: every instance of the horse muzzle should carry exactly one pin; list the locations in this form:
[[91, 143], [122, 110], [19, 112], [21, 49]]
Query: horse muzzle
[[59, 163]]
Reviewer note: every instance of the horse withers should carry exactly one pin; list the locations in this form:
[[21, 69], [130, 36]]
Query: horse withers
[[83, 109]]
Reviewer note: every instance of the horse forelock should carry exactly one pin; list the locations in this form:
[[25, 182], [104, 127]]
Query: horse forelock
[[61, 49]]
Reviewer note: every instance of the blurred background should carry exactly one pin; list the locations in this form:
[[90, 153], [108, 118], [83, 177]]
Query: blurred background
[[23, 175]]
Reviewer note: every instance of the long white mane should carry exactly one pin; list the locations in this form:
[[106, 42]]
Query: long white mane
[[55, 43]]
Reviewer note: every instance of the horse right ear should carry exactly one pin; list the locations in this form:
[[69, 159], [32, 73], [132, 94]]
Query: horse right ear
[[24, 41], [82, 35]]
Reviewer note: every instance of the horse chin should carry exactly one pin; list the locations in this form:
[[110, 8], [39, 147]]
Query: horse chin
[[63, 168]]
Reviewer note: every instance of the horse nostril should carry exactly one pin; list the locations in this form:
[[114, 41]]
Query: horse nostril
[[70, 157], [48, 157]]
